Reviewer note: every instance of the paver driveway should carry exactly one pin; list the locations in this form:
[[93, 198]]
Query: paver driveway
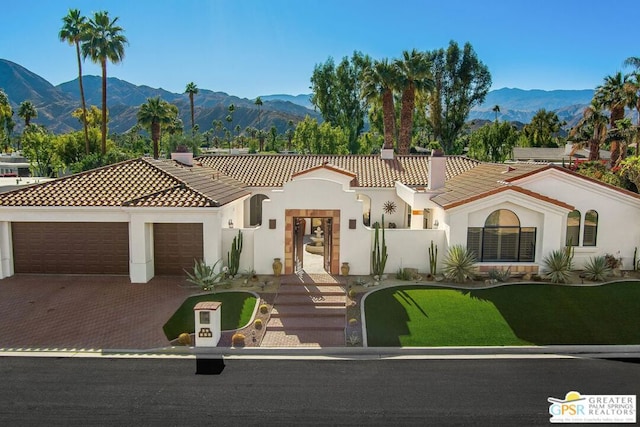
[[87, 312]]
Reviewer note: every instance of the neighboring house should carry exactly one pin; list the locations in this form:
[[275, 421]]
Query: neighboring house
[[14, 165], [145, 217], [558, 155]]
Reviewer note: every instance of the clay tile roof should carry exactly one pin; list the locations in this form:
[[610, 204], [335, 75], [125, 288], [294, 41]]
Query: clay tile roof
[[138, 182], [481, 181], [370, 171]]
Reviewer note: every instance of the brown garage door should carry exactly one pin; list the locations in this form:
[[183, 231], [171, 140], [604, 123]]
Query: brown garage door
[[175, 246], [71, 247]]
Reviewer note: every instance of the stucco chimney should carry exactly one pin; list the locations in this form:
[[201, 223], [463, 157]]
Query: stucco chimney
[[437, 173]]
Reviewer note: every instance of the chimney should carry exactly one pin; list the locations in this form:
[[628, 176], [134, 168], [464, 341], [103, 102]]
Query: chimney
[[437, 173], [386, 153]]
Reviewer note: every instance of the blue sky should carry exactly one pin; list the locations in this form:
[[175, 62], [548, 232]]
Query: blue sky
[[258, 47]]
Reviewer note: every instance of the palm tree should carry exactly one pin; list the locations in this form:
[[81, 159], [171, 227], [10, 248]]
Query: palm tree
[[633, 90], [633, 61], [414, 72], [27, 111], [592, 128], [192, 90], [103, 41], [496, 109], [72, 32], [152, 116], [379, 80], [258, 102], [613, 96]]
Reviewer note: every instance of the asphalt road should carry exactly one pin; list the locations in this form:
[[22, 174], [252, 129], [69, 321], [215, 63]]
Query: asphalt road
[[159, 392]]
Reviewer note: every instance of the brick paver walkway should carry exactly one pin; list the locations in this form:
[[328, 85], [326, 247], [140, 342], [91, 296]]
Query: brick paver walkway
[[87, 312], [307, 314]]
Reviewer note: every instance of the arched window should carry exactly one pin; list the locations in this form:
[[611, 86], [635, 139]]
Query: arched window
[[502, 239], [573, 228], [255, 209], [590, 235]]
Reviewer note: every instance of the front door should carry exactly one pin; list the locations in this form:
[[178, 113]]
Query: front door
[[298, 243]]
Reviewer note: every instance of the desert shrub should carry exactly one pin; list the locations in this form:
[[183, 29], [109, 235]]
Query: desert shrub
[[258, 324], [612, 262], [264, 308], [558, 266], [500, 275], [237, 340], [597, 269], [403, 274], [459, 264], [184, 339], [353, 321], [352, 293]]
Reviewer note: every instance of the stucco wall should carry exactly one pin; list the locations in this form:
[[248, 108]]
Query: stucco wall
[[410, 248], [618, 230]]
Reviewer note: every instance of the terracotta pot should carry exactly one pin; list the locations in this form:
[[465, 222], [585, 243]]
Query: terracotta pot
[[277, 267]]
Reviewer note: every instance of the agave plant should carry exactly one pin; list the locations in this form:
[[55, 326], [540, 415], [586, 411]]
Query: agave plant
[[205, 276], [597, 269], [558, 266], [459, 264]]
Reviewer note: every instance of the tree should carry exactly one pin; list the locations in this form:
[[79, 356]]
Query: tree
[[633, 96], [461, 81], [27, 111], [613, 95], [337, 93], [379, 81], [153, 115], [542, 129], [38, 147], [258, 102], [496, 109], [229, 120], [192, 90], [493, 142], [72, 31], [6, 119], [310, 137], [414, 75], [103, 41], [633, 61], [591, 129]]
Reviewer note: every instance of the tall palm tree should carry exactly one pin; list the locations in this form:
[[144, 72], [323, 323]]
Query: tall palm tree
[[72, 31], [496, 109], [153, 115], [633, 61], [592, 129], [103, 41], [27, 111], [414, 74], [633, 89], [192, 90], [258, 102], [613, 96], [379, 81]]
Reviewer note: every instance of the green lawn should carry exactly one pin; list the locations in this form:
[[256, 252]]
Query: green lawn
[[237, 308], [535, 314]]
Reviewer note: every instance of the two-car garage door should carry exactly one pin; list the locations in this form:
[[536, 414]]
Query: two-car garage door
[[100, 248], [71, 247]]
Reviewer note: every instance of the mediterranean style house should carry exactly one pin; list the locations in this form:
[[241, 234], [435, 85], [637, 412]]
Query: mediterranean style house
[[147, 217]]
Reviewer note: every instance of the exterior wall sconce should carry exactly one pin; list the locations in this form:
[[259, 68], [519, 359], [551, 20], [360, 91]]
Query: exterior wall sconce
[[352, 224], [230, 223], [436, 223], [272, 224]]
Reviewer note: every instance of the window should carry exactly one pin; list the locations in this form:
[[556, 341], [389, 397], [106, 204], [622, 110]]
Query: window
[[255, 209], [573, 228], [589, 237], [502, 239]]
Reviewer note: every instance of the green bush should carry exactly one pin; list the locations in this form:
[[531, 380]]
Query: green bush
[[558, 266], [459, 264], [597, 269], [237, 340], [500, 275]]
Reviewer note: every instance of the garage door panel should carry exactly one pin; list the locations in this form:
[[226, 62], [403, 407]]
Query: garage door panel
[[71, 248], [175, 246]]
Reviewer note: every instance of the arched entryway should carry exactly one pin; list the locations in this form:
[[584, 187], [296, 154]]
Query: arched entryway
[[331, 222]]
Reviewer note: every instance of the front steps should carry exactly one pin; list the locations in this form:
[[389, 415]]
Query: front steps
[[311, 315]]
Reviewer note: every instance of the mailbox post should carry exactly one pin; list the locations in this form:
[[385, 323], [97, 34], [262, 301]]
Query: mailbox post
[[208, 323]]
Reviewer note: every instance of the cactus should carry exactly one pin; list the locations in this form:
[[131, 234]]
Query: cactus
[[379, 254], [433, 259], [233, 257]]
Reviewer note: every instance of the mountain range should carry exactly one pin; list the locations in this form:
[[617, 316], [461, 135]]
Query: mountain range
[[55, 103]]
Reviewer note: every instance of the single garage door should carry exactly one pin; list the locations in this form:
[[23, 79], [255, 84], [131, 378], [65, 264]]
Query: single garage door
[[175, 246], [71, 247]]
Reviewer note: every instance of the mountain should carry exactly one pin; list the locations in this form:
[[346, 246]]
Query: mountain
[[55, 103], [303, 99]]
